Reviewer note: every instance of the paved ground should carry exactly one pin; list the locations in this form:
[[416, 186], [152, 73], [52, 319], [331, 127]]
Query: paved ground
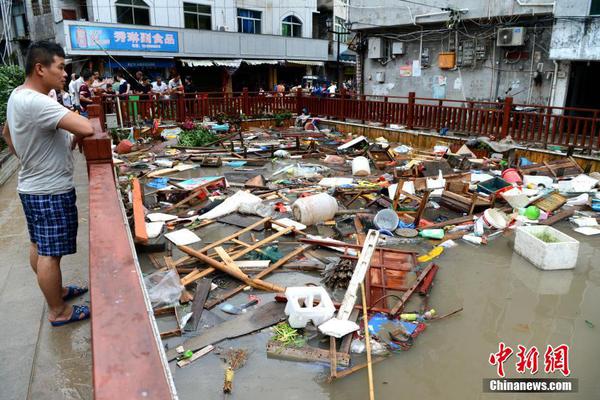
[[38, 361]]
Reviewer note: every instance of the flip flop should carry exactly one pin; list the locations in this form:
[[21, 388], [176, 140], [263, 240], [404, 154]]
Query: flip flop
[[74, 291], [75, 316]]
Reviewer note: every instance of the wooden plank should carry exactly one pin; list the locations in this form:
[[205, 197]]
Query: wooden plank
[[400, 304], [349, 371], [267, 315], [200, 353], [305, 353], [559, 216], [200, 296], [139, 219], [232, 292]]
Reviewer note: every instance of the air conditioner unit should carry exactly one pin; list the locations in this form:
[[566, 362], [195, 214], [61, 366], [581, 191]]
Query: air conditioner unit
[[375, 47], [398, 48], [511, 37], [223, 29]]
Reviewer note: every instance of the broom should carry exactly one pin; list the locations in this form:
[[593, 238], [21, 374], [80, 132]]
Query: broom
[[235, 358]]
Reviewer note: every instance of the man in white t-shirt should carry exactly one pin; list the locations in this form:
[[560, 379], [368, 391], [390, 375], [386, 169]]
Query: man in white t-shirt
[[42, 134], [74, 85], [159, 86]]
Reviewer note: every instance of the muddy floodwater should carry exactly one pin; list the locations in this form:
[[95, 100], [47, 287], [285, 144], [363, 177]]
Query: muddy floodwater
[[505, 299]]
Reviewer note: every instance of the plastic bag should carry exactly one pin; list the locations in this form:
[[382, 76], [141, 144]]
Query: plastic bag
[[164, 288]]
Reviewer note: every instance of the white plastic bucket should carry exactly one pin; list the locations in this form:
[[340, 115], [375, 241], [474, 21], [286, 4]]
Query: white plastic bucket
[[386, 219], [495, 219], [360, 166], [313, 209]]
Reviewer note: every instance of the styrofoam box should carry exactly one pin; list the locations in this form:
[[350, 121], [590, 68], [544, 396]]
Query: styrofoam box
[[546, 256]]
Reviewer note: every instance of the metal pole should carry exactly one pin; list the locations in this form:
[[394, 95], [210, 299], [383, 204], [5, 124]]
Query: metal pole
[[338, 61]]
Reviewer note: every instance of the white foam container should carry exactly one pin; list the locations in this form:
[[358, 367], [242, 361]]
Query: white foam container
[[301, 308], [546, 256]]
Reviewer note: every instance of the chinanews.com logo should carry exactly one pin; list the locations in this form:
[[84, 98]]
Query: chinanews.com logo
[[555, 362]]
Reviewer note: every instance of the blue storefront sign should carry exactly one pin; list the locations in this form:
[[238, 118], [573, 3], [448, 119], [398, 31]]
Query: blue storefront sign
[[122, 39]]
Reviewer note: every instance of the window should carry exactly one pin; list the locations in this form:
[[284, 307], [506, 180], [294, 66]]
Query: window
[[196, 16], [46, 7], [291, 26], [595, 7], [134, 12], [248, 21], [18, 13], [35, 7], [70, 15], [340, 27]]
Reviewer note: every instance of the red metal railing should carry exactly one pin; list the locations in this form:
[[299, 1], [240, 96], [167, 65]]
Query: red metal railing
[[126, 356], [545, 125]]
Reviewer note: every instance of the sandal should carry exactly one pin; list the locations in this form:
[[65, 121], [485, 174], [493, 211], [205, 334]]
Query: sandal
[[76, 316], [74, 291]]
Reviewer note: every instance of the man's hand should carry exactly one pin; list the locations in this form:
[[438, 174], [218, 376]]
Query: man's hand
[[77, 142]]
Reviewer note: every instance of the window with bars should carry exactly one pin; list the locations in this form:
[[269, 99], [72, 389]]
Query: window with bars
[[197, 16], [19, 22], [35, 7], [291, 26], [340, 27], [249, 21], [135, 12], [46, 7]]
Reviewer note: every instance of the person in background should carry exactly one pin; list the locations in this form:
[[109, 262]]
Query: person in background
[[66, 100], [175, 85], [302, 118], [280, 89], [42, 134], [188, 86], [124, 86], [98, 85], [146, 86], [85, 92], [76, 82], [116, 84], [52, 95], [159, 87], [136, 86], [332, 89]]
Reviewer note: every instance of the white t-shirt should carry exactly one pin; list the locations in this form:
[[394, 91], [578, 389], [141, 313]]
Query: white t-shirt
[[74, 90], [159, 88], [44, 151], [174, 84]]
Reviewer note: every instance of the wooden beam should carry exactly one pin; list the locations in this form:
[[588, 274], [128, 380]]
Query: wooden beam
[[400, 304], [139, 219]]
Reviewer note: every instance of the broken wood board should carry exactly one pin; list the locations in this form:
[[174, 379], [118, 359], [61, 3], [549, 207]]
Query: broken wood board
[[200, 353], [232, 292], [242, 221], [262, 317], [305, 353], [139, 219], [202, 290], [402, 302]]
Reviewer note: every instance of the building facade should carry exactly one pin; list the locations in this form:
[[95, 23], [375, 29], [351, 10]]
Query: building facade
[[479, 50], [223, 44]]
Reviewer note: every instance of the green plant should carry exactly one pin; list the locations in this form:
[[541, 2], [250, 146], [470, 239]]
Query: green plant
[[288, 336], [281, 116], [10, 77], [196, 137]]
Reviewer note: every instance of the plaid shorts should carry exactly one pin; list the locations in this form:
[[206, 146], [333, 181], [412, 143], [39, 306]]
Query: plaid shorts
[[52, 222]]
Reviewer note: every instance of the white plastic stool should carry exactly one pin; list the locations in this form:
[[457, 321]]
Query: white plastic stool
[[301, 308]]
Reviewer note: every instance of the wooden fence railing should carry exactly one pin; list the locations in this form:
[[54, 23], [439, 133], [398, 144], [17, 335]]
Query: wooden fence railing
[[126, 355], [563, 126]]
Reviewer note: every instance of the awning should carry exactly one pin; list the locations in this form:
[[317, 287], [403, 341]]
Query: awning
[[228, 63], [261, 62], [311, 63], [198, 63]]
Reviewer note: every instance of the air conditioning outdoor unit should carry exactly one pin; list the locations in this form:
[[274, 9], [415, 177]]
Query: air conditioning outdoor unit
[[511, 37], [375, 47]]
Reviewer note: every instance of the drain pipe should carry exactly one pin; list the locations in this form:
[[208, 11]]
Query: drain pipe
[[553, 89]]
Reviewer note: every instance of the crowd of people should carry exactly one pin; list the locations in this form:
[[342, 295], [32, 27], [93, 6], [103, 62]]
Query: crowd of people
[[82, 88]]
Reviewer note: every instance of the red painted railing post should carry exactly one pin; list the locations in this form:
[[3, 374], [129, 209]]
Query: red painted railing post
[[180, 108], [508, 102], [385, 116], [343, 103], [245, 104], [410, 113], [299, 101]]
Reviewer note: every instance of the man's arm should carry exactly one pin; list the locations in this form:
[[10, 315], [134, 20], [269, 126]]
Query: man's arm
[[76, 124], [7, 139]]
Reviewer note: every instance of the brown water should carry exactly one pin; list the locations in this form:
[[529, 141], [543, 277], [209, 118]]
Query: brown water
[[504, 297]]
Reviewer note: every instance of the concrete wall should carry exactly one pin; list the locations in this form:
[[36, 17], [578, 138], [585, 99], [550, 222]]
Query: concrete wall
[[40, 26], [169, 13], [375, 13], [485, 80]]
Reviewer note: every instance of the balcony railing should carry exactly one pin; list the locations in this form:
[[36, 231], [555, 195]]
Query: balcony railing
[[544, 125]]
